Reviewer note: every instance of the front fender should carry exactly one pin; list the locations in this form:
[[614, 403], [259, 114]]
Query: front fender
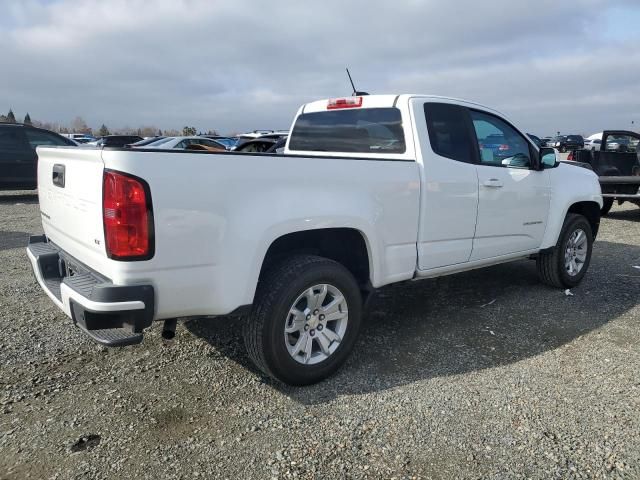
[[570, 185]]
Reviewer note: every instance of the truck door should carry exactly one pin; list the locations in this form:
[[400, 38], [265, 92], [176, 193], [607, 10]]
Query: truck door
[[449, 184], [513, 199], [619, 154]]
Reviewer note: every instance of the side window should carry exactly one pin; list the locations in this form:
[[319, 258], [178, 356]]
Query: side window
[[500, 145], [37, 138], [181, 144], [448, 131], [621, 144], [11, 139]]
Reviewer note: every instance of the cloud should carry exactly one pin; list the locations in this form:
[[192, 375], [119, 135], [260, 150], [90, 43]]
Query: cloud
[[237, 65]]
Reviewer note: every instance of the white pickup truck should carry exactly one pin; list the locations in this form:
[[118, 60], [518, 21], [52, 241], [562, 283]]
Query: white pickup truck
[[370, 190]]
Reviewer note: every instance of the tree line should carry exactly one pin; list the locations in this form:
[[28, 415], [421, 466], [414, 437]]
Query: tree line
[[78, 125]]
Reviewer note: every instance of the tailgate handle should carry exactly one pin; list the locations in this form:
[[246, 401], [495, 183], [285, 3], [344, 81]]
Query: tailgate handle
[[58, 175]]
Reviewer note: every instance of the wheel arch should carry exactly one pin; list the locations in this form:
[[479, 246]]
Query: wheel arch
[[591, 211], [348, 246], [589, 208]]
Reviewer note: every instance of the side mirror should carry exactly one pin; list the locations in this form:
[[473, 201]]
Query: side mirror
[[547, 158]]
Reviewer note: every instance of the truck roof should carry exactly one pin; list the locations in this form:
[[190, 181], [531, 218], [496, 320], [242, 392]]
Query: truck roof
[[386, 101]]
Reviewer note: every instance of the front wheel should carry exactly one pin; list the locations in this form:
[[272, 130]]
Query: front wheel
[[567, 264], [305, 320]]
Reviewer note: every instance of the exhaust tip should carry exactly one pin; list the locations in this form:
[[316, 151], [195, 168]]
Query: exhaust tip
[[168, 334], [169, 329]]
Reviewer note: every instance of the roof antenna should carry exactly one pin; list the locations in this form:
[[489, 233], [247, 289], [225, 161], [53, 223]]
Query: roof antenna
[[355, 92]]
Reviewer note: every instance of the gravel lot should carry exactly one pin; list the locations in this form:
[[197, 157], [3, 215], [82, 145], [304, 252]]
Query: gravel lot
[[487, 374]]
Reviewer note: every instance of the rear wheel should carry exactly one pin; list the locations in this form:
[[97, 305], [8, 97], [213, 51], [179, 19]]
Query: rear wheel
[[305, 320], [607, 203], [567, 264]]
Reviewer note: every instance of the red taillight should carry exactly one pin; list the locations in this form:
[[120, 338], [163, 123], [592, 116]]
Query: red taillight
[[347, 102], [503, 147], [126, 211], [570, 156]]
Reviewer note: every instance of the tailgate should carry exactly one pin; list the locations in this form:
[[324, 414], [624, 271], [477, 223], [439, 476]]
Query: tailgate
[[70, 194]]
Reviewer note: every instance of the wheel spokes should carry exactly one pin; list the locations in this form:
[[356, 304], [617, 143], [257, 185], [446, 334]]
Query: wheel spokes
[[331, 335], [324, 342], [299, 346], [296, 322], [308, 348], [333, 306], [313, 330]]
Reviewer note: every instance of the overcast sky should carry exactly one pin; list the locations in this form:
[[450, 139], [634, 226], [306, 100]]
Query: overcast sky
[[233, 65]]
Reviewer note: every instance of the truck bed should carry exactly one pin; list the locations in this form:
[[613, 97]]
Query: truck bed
[[215, 215]]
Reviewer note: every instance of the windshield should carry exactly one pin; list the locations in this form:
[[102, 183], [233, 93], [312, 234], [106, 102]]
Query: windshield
[[369, 130]]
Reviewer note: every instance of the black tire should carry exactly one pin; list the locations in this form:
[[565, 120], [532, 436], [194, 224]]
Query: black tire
[[563, 149], [607, 203], [551, 269], [276, 292]]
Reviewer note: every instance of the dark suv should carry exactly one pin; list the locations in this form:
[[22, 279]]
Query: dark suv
[[568, 142], [18, 159]]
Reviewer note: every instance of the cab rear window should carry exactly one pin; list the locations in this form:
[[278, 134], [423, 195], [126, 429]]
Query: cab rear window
[[367, 130]]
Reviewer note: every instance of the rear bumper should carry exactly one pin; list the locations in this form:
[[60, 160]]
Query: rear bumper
[[92, 301]]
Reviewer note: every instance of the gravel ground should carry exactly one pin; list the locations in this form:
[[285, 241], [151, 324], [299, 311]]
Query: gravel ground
[[487, 374]]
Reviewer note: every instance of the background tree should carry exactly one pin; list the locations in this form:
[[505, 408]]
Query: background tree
[[189, 131], [149, 131], [104, 131], [27, 119], [52, 126], [212, 132], [11, 118], [159, 132], [80, 126]]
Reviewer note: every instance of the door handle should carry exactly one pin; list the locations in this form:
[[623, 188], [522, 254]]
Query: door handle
[[493, 183], [58, 175]]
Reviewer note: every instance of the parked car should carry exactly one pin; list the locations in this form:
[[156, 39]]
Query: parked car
[[228, 142], [498, 147], [617, 164], [147, 141], [81, 140], [258, 145], [370, 190], [619, 143], [592, 144], [260, 134], [115, 141], [255, 134], [565, 143], [18, 158], [79, 137], [547, 142], [183, 142]]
